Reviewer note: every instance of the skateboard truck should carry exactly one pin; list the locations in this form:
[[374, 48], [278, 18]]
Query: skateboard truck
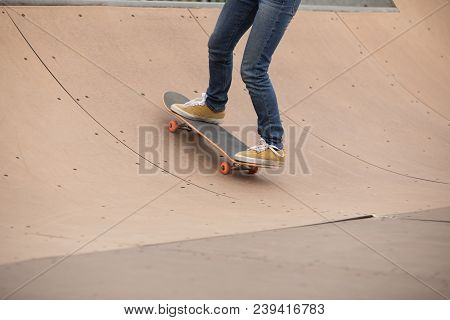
[[174, 126], [226, 167]]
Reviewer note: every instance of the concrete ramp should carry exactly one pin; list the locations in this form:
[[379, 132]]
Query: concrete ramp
[[364, 98]]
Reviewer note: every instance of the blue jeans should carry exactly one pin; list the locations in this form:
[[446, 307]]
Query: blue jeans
[[270, 19]]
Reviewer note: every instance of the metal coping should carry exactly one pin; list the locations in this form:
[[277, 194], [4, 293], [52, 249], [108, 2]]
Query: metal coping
[[181, 4]]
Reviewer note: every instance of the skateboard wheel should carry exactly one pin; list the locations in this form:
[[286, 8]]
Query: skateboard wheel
[[173, 126], [253, 170], [225, 168]]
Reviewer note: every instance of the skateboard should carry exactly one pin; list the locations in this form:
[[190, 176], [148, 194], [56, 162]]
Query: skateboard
[[218, 137]]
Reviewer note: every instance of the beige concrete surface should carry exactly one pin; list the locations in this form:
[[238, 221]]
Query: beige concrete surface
[[76, 83], [309, 262], [436, 215]]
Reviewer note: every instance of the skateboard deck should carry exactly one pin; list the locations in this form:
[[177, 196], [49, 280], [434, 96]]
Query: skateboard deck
[[218, 137]]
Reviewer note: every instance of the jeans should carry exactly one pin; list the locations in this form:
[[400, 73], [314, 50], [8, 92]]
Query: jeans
[[270, 19]]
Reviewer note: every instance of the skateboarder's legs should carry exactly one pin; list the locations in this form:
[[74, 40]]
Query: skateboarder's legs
[[234, 20], [270, 19]]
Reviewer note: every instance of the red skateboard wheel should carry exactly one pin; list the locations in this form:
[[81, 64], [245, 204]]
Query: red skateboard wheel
[[173, 126], [225, 168]]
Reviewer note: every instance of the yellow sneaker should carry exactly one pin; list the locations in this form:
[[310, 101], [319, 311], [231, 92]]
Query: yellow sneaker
[[198, 110], [262, 154]]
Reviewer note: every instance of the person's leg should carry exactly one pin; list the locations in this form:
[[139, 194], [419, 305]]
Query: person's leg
[[234, 20], [269, 25]]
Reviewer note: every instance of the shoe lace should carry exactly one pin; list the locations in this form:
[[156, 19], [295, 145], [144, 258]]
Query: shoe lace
[[263, 145], [197, 101]]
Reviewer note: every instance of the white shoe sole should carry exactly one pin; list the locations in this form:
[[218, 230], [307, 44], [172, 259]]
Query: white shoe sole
[[260, 162], [184, 114]]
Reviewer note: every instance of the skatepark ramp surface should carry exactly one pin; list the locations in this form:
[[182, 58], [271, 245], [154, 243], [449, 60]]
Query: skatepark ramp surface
[[87, 164]]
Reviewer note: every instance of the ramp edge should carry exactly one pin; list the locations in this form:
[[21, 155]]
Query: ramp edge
[[181, 4]]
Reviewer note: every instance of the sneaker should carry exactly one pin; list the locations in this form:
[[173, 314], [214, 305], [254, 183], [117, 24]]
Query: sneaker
[[198, 110], [262, 154]]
